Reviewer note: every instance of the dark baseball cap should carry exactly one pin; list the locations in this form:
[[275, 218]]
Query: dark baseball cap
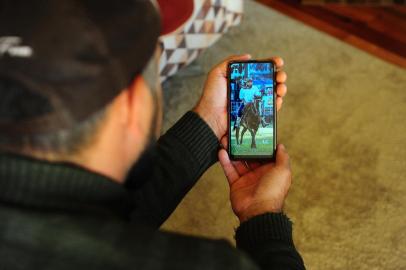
[[62, 61]]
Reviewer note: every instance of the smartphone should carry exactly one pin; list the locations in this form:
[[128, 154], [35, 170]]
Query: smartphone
[[251, 110]]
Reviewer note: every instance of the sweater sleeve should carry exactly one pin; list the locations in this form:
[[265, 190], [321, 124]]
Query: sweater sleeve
[[181, 156], [268, 240]]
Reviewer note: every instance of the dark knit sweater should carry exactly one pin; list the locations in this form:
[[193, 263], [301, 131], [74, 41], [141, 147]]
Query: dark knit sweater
[[61, 216]]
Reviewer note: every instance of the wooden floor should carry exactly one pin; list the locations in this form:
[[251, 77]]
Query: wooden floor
[[379, 30]]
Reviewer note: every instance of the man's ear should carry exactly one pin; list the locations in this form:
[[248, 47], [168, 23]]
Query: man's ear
[[133, 109], [139, 106], [125, 103]]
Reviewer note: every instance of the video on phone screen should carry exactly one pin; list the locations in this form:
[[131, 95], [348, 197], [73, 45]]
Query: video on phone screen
[[251, 109]]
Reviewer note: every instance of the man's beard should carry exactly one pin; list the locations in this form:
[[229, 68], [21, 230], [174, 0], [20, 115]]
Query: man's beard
[[143, 168]]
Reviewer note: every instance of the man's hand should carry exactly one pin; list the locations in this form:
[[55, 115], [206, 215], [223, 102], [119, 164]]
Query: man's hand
[[257, 188], [212, 106]]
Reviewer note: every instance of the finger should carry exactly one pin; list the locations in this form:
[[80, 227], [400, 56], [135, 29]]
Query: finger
[[281, 76], [224, 141], [222, 67], [281, 89], [282, 157], [241, 167], [278, 61], [279, 102], [228, 168], [244, 56]]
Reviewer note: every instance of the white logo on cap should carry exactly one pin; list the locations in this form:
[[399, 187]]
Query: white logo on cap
[[11, 46]]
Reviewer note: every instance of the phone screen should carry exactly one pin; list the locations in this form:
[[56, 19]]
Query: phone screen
[[251, 110]]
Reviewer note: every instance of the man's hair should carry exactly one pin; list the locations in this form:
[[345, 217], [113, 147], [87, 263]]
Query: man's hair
[[60, 144]]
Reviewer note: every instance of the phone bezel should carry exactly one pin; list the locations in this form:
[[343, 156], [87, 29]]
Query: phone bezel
[[270, 157]]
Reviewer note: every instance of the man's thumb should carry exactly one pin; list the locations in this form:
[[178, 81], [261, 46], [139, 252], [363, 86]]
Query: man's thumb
[[282, 157]]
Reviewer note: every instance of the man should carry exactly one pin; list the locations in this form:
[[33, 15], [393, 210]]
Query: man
[[248, 93], [78, 110]]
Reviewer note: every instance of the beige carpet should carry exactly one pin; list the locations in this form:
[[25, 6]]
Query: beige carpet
[[343, 123]]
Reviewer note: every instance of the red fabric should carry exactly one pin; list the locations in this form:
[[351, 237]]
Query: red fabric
[[174, 13]]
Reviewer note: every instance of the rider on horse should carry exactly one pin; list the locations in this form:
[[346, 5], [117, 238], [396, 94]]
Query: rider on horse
[[248, 93]]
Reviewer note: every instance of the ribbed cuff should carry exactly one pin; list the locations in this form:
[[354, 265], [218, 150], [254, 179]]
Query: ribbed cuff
[[198, 138], [263, 228]]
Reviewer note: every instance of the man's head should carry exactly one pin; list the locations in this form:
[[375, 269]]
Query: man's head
[[249, 84], [76, 83]]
